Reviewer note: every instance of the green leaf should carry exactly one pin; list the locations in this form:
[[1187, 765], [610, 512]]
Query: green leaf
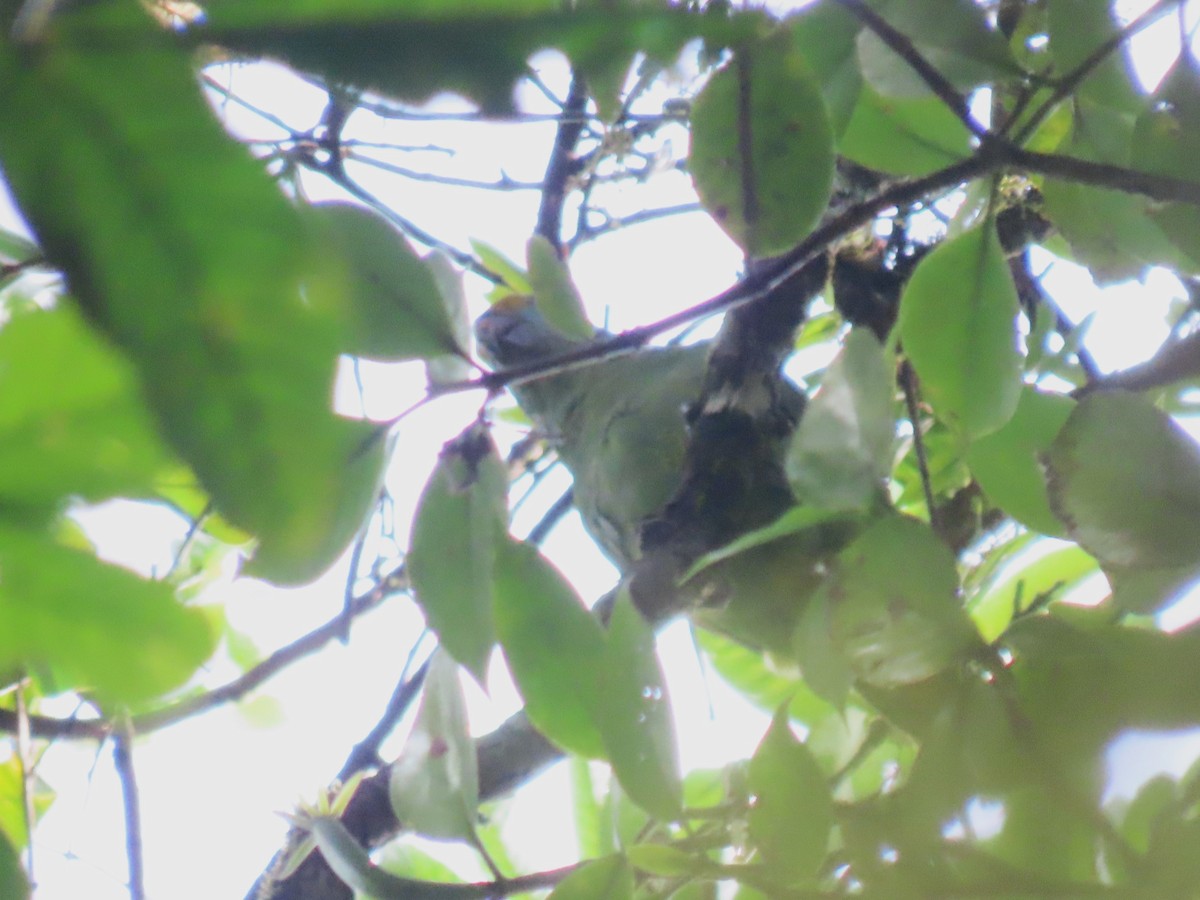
[[592, 816], [178, 246], [557, 297], [13, 824], [434, 784], [958, 327], [952, 35], [13, 883], [72, 421], [792, 812], [762, 147], [901, 136], [608, 878], [633, 713], [665, 861], [393, 309], [841, 453], [461, 518], [893, 606], [511, 276], [100, 627], [554, 647], [823, 35], [450, 367], [1006, 463], [1126, 481], [358, 484], [995, 606], [1076, 29]]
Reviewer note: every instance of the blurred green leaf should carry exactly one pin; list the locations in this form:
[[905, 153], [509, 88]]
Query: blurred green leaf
[[1025, 582], [633, 713], [951, 35], [13, 883], [958, 327], [1006, 462], [841, 452], [102, 627], [664, 860], [893, 606], [557, 297], [1126, 481], [461, 518], [434, 784], [554, 647], [72, 421], [792, 812], [12, 805], [178, 246], [608, 878], [823, 34], [592, 815], [826, 669], [903, 136], [393, 309], [1076, 29], [762, 147]]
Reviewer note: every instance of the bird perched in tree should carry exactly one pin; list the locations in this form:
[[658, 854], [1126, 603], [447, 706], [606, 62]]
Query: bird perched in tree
[[618, 424]]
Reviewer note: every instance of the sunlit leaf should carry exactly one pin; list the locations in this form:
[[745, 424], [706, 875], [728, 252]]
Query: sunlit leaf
[[841, 452], [71, 418], [14, 781], [393, 309], [762, 147], [958, 328], [99, 626], [1006, 462], [434, 784], [554, 647], [902, 136], [1076, 29], [592, 815], [461, 518], [1053, 574], [633, 713], [179, 247], [791, 813], [608, 878]]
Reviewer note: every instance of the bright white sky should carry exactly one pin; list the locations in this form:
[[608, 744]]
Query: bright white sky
[[210, 787]]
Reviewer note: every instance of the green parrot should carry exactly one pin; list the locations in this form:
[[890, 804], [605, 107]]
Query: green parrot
[[618, 425]]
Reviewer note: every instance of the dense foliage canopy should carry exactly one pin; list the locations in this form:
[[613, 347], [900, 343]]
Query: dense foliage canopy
[[891, 566]]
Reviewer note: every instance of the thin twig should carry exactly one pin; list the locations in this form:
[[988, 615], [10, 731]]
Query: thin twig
[[908, 383], [562, 165], [365, 754], [553, 515], [503, 183], [903, 47], [123, 762], [1068, 83], [308, 644]]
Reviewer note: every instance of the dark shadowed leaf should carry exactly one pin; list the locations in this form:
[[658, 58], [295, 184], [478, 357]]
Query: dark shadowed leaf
[[958, 319], [791, 813], [633, 713], [393, 308], [12, 877], [434, 784], [1006, 462], [72, 420], [460, 521], [96, 626], [762, 147], [554, 647]]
